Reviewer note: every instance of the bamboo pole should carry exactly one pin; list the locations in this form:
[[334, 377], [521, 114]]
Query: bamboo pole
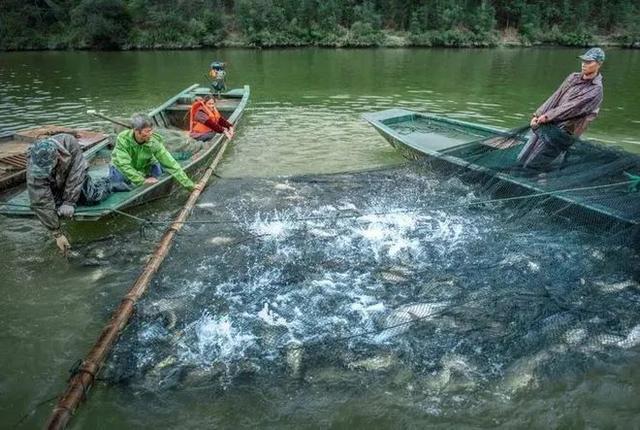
[[115, 121], [80, 383]]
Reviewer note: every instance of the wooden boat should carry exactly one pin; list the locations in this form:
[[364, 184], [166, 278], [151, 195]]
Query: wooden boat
[[453, 143], [173, 115], [14, 146]]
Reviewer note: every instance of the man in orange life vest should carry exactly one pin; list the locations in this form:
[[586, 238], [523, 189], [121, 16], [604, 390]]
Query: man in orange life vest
[[205, 120]]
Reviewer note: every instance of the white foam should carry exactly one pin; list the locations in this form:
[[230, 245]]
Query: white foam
[[275, 229], [270, 317], [534, 267], [215, 338]]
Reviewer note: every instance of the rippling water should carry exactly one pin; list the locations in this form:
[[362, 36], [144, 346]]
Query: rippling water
[[304, 117]]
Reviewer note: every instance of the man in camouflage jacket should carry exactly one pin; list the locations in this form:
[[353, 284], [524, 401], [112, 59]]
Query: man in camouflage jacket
[[57, 180]]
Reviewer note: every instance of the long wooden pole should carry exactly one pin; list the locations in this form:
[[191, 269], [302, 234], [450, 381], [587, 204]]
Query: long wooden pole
[[115, 121], [80, 383]]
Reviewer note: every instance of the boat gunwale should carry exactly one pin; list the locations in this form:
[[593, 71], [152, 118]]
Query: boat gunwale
[[385, 130], [89, 213], [214, 144]]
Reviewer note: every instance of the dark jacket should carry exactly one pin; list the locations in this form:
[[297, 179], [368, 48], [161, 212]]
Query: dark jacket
[[64, 184], [571, 107], [574, 104]]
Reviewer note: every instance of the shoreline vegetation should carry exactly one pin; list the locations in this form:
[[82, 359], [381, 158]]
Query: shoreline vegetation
[[181, 24]]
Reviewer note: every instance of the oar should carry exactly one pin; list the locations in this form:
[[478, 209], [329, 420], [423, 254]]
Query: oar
[[99, 115]]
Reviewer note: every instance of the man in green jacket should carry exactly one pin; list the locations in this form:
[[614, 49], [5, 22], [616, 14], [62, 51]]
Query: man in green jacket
[[139, 157]]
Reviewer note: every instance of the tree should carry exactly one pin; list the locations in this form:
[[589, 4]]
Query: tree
[[103, 24]]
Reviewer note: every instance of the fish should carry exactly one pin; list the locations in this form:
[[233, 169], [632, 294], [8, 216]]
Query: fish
[[597, 342], [163, 374], [395, 274], [614, 287], [221, 240], [373, 364], [456, 374], [98, 273], [295, 197], [400, 320], [202, 376], [165, 309], [293, 356], [553, 326], [521, 374], [284, 187], [330, 376], [632, 339], [393, 277]]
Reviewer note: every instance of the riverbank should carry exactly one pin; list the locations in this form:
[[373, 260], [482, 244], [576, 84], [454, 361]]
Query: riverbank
[[352, 38], [163, 24]]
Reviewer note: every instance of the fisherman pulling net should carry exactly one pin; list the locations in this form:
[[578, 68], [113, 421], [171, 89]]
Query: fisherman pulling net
[[548, 157]]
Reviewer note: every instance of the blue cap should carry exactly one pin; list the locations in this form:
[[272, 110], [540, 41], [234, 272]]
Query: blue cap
[[593, 54]]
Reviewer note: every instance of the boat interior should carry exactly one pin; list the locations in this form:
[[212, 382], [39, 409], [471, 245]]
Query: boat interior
[[172, 123], [584, 174], [14, 146]]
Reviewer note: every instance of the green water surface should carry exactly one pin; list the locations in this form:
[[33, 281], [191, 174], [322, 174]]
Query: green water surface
[[304, 117]]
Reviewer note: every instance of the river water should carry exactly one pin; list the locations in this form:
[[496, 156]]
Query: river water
[[304, 119]]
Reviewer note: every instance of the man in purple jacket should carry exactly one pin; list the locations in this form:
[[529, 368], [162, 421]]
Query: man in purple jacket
[[571, 107]]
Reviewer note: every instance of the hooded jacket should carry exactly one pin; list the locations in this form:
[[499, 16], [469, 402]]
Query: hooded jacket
[[62, 186]]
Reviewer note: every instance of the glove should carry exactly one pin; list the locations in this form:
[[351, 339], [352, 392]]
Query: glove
[[62, 243], [66, 210]]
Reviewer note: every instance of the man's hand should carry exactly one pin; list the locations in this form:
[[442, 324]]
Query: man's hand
[[534, 122], [229, 133], [543, 119], [151, 180], [62, 243], [198, 187], [66, 211]]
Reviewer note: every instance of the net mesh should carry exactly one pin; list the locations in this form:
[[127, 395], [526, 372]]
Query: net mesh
[[411, 277], [594, 173]]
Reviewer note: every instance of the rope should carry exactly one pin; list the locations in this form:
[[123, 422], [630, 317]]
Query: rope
[[149, 222], [358, 215]]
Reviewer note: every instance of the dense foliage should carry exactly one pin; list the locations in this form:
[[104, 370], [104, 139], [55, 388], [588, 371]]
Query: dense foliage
[[126, 24]]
